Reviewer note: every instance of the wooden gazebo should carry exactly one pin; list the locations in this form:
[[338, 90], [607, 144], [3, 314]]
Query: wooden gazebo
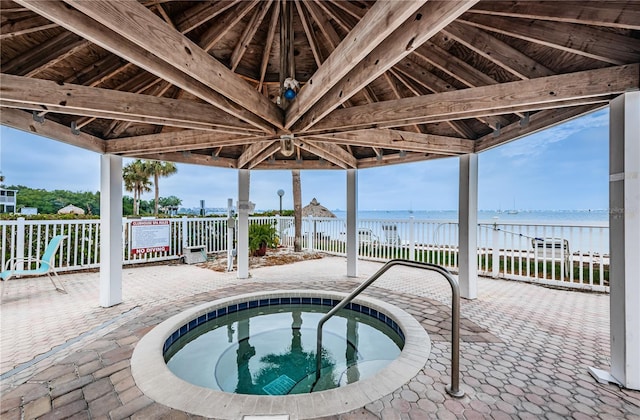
[[380, 82], [292, 84]]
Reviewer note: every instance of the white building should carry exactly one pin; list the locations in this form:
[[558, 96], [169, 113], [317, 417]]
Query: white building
[[8, 200]]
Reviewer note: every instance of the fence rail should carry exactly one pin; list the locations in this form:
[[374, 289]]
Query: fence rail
[[575, 256]]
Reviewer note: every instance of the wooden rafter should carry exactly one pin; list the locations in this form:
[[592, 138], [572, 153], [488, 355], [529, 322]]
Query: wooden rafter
[[577, 39], [537, 121], [194, 159], [459, 127], [252, 151], [21, 120], [118, 127], [249, 31], [388, 76], [112, 40], [273, 24], [427, 21], [570, 89], [602, 13], [461, 71], [264, 154], [310, 33], [53, 50], [392, 159], [81, 100], [382, 19], [496, 51], [25, 26], [331, 152], [215, 33], [201, 13], [402, 140], [179, 52], [186, 140]]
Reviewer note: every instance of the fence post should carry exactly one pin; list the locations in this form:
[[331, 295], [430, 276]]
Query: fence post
[[412, 239], [185, 233], [279, 229], [20, 227], [495, 258], [312, 232]]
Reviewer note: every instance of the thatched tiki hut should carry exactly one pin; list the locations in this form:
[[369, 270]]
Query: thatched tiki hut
[[315, 209], [71, 209]]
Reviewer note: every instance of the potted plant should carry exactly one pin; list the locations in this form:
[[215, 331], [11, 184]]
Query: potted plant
[[261, 237]]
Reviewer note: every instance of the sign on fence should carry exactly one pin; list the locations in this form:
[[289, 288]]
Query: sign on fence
[[150, 236]]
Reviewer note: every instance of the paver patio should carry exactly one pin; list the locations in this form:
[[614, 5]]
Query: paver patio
[[524, 353]]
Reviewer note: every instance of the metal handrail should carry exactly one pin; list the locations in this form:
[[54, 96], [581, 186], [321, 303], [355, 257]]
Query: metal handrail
[[454, 388]]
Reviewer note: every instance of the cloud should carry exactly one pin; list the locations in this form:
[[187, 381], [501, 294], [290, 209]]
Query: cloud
[[538, 143]]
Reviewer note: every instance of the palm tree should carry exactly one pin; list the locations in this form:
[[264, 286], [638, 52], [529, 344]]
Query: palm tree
[[157, 169], [136, 180], [297, 210]]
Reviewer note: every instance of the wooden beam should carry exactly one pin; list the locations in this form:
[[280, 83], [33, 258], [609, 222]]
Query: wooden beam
[[388, 76], [223, 25], [264, 154], [289, 164], [249, 32], [355, 11], [117, 44], [176, 141], [42, 54], [539, 121], [120, 126], [496, 51], [577, 39], [329, 151], [193, 159], [528, 95], [310, 33], [427, 21], [252, 151], [273, 24], [382, 19], [459, 127], [345, 20], [402, 140], [613, 14], [12, 28], [112, 104], [315, 13], [200, 14], [393, 159], [461, 71], [21, 120], [132, 20], [332, 37]]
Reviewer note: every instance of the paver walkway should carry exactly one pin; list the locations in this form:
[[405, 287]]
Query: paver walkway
[[525, 349]]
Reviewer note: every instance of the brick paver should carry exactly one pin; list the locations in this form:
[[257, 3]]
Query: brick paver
[[525, 349]]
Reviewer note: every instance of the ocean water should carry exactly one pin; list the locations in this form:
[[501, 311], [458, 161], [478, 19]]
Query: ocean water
[[554, 216]]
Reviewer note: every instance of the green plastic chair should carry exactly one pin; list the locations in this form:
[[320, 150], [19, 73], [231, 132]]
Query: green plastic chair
[[46, 266]]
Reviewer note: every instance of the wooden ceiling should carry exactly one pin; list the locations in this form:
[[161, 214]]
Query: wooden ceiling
[[382, 82]]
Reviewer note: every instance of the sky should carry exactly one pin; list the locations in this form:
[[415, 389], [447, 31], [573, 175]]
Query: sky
[[561, 168]]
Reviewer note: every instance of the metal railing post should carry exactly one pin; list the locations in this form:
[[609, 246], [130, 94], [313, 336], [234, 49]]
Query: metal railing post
[[454, 388]]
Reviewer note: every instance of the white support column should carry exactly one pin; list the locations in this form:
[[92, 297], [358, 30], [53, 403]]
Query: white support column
[[624, 241], [243, 223], [468, 226], [352, 223], [110, 230]]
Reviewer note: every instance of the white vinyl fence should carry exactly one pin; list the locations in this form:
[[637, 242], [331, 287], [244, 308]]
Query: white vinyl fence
[[574, 256]]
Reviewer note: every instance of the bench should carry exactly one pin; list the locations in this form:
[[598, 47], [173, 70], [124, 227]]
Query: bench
[[552, 249]]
